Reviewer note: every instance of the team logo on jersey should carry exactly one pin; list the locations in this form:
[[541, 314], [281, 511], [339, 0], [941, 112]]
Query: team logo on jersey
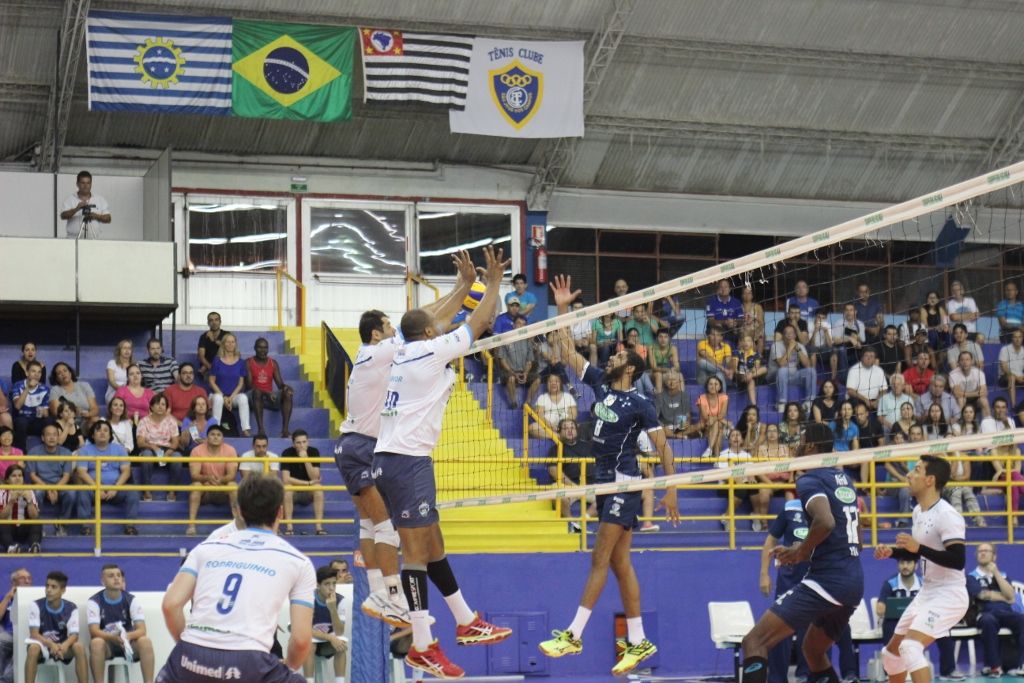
[[604, 413], [845, 494], [424, 509], [800, 532], [796, 517]]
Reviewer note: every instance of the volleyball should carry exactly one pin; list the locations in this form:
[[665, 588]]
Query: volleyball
[[476, 293]]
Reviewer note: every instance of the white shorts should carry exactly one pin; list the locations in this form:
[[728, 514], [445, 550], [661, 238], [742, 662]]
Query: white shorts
[[934, 611]]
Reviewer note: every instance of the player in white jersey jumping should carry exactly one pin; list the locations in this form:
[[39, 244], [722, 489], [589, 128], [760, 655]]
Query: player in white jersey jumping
[[237, 586], [419, 387], [353, 453], [938, 539]]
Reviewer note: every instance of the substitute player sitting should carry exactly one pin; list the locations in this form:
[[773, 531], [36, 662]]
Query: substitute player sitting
[[938, 539], [237, 585], [827, 596], [622, 414], [53, 624]]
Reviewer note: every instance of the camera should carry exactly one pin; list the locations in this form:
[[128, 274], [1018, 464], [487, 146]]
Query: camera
[[87, 211]]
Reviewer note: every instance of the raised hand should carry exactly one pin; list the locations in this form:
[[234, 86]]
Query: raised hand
[[561, 289], [464, 266], [496, 265]]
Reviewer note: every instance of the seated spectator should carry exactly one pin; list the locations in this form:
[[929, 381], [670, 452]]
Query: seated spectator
[[158, 371], [506, 322], [302, 474], [527, 301], [673, 406], [553, 406], [548, 355], [998, 606], [725, 311], [645, 324], [47, 473], [865, 382], [516, 366], [181, 394], [937, 394], [759, 498], [580, 331], [967, 424], [846, 436], [801, 296], [572, 447], [962, 344], [9, 454], [772, 448], [115, 614], [889, 404], [621, 289], [197, 421], [606, 335], [261, 376], [870, 433], [792, 426], [890, 355], [1011, 364], [906, 420], [117, 367], [70, 436], [869, 312], [934, 423], [935, 318], [906, 584], [908, 330], [921, 345], [819, 339], [753, 319], [53, 625], [713, 406], [848, 337], [919, 376], [897, 471], [963, 310], [826, 404], [122, 425], [959, 496], [64, 384], [210, 342], [968, 384], [30, 402], [212, 474], [793, 318], [328, 625], [714, 357], [136, 397], [157, 435], [632, 341], [671, 315], [17, 506], [1009, 312], [111, 473], [663, 358], [227, 383], [751, 428], [790, 364], [748, 370], [19, 369], [1004, 469], [259, 459]]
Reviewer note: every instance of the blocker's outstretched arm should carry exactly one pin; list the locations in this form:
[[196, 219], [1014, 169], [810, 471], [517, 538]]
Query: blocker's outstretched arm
[[561, 289]]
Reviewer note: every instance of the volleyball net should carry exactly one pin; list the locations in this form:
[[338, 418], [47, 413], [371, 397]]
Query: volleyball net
[[930, 275]]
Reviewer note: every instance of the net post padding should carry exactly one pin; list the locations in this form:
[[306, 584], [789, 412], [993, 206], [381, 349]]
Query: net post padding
[[954, 194], [714, 474]]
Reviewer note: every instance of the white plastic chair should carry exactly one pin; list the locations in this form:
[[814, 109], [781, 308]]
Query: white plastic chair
[[117, 664], [51, 665], [730, 622]]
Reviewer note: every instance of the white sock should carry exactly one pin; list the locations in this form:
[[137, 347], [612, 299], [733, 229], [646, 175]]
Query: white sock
[[580, 622], [421, 636], [393, 586], [635, 630], [376, 579], [460, 610]]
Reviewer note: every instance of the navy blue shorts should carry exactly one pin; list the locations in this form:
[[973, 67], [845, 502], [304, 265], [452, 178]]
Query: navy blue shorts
[[623, 509], [406, 483], [353, 454], [800, 607], [189, 663]]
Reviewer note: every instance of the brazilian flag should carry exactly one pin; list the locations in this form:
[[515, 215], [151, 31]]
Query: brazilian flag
[[292, 71]]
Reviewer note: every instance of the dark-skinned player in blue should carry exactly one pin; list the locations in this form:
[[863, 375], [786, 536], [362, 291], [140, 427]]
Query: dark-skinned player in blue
[[621, 414], [826, 598]]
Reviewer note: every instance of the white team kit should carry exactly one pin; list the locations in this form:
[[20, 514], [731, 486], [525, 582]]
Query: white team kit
[[369, 382], [242, 580], [942, 601]]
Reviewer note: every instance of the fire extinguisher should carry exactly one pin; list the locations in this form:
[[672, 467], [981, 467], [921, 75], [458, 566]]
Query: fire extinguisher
[[540, 266]]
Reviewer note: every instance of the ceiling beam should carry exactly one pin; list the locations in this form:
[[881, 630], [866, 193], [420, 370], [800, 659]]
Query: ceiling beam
[[72, 39]]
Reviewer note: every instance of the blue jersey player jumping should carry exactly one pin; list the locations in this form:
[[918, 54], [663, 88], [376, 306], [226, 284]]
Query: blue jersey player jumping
[[621, 415], [829, 593]]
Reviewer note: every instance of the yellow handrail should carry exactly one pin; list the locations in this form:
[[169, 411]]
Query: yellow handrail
[[300, 317], [411, 277], [489, 357], [530, 414]]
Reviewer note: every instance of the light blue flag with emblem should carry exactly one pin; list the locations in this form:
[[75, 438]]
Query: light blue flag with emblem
[[523, 89], [159, 63]]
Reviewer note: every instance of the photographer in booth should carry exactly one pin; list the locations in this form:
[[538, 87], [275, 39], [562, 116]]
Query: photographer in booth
[[85, 211]]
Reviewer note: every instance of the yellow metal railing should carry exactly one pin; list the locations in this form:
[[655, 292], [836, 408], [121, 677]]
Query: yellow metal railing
[[411, 278], [280, 275], [489, 359]]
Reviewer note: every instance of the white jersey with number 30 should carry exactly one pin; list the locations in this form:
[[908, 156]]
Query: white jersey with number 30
[[418, 391], [368, 384], [242, 580], [935, 527]]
